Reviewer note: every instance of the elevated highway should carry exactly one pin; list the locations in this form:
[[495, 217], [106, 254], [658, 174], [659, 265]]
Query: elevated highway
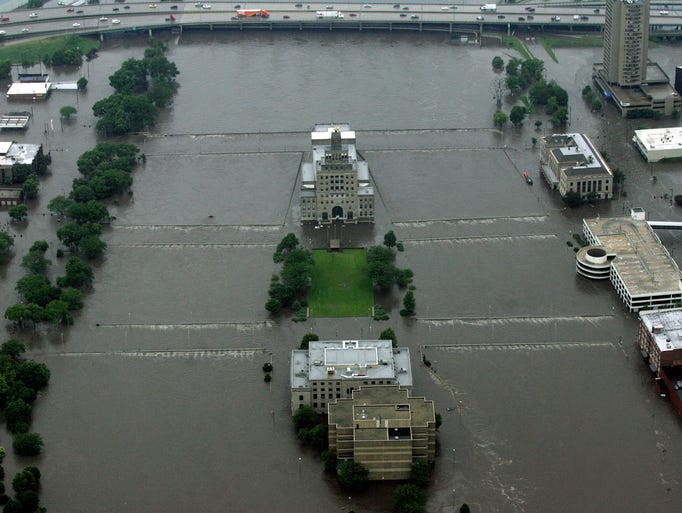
[[135, 16]]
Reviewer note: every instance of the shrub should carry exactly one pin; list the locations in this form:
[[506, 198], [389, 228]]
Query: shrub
[[307, 338], [27, 444], [352, 475]]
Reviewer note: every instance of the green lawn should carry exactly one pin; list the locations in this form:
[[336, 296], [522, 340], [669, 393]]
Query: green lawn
[[341, 285], [34, 51]]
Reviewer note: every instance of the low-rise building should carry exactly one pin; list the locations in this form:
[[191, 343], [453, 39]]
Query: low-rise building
[[383, 429], [335, 180], [656, 144], [30, 87], [332, 369], [570, 162], [660, 340], [640, 268], [12, 153], [10, 196]]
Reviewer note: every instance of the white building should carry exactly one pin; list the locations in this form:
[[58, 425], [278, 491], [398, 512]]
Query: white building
[[640, 268], [656, 144], [332, 369]]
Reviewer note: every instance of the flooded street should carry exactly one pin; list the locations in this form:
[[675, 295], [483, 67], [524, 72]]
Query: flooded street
[[157, 400]]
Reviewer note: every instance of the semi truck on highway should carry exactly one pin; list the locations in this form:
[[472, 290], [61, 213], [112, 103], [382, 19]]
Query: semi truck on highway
[[329, 14], [252, 13], [489, 7]]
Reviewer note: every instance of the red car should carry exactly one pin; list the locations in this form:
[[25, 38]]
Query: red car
[[70, 9], [4, 18]]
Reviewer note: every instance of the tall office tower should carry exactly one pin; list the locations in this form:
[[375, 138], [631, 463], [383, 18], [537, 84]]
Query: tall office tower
[[626, 34]]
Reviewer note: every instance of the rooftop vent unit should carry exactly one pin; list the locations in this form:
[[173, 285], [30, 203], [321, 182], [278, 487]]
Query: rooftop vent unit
[[330, 370]]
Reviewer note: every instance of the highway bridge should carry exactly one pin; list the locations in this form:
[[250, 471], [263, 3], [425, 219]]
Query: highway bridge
[[451, 17]]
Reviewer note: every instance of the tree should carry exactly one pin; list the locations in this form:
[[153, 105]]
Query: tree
[[82, 83], [89, 212], [14, 349], [27, 479], [390, 239], [287, 244], [35, 262], [560, 117], [92, 246], [17, 415], [59, 205], [352, 475], [18, 213], [572, 199], [420, 473], [72, 297], [58, 312], [409, 304], [381, 269], [596, 105], [409, 498], [498, 63], [587, 90], [464, 508], [517, 115], [29, 190], [78, 274], [6, 243], [305, 418], [389, 334], [274, 306], [27, 444], [316, 436], [34, 375], [67, 111], [538, 124], [307, 338], [5, 69], [329, 460], [18, 313], [499, 119], [36, 288]]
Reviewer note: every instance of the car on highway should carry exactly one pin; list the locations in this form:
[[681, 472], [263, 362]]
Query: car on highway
[[286, 17], [352, 15], [584, 18], [298, 5], [596, 11], [174, 7], [24, 29], [556, 18], [663, 13], [521, 18], [367, 6], [76, 25], [480, 18], [414, 17], [530, 17], [501, 16], [152, 6], [234, 18], [206, 6], [115, 21], [396, 6], [33, 15], [70, 9], [126, 7], [115, 9], [406, 8], [4, 18], [403, 15], [104, 19], [199, 4], [79, 11], [2, 32], [530, 9], [445, 8]]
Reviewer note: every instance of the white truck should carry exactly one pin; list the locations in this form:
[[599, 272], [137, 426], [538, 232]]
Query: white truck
[[329, 14], [489, 7]]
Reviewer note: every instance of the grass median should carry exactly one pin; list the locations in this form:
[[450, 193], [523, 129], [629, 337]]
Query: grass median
[[341, 285]]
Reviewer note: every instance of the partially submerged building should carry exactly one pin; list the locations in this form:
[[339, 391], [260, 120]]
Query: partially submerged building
[[570, 162], [335, 180], [627, 251], [12, 153], [30, 87], [656, 144], [384, 429], [331, 369], [626, 75], [660, 340]]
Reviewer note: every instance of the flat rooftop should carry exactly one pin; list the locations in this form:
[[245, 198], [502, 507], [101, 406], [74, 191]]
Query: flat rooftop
[[361, 360], [577, 152], [660, 138], [665, 327], [642, 262]]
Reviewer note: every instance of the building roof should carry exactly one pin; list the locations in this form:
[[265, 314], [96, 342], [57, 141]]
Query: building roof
[[665, 327], [13, 193], [389, 406], [28, 89], [642, 262], [350, 360], [13, 153], [660, 138], [576, 155]]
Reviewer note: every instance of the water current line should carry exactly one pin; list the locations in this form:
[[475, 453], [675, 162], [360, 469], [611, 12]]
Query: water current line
[[420, 223], [167, 353], [238, 325], [484, 238], [535, 319]]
